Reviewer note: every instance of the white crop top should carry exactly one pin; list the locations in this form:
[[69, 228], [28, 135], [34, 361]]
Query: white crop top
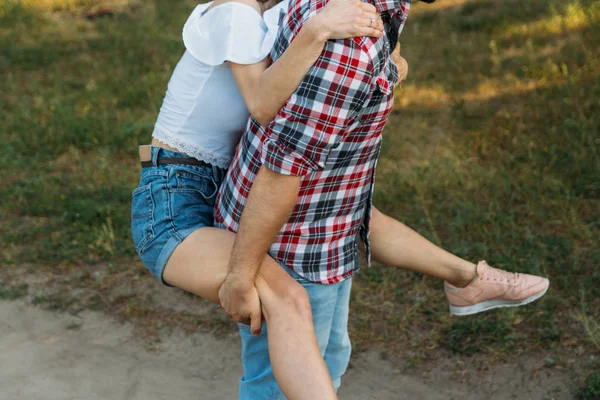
[[203, 113]]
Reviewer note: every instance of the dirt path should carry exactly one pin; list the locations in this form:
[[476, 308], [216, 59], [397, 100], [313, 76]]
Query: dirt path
[[57, 356]]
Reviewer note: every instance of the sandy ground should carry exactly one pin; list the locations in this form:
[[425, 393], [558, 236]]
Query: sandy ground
[[58, 356], [52, 356]]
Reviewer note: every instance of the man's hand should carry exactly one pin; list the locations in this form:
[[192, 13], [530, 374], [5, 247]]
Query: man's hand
[[240, 300], [265, 212], [401, 64]]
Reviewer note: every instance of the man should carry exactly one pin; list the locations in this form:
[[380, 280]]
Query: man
[[304, 183], [300, 189]]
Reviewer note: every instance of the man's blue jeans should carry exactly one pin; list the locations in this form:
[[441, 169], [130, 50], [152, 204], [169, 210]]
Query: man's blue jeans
[[330, 306]]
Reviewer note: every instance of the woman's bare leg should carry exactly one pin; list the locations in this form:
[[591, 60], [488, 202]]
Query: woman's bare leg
[[393, 243], [199, 265]]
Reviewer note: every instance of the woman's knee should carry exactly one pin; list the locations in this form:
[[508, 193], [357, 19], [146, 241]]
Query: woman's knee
[[299, 300], [292, 303]]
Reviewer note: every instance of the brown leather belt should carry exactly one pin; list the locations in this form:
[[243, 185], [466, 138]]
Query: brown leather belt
[[186, 161]]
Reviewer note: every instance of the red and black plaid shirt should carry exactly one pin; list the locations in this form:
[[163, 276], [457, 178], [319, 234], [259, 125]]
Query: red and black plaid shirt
[[329, 132]]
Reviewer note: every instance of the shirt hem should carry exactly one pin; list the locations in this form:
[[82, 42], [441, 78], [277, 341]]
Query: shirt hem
[[329, 281]]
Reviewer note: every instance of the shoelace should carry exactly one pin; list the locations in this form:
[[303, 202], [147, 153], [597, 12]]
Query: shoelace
[[500, 275]]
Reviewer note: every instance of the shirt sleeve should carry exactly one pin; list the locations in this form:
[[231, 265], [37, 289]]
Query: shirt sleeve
[[227, 32], [320, 111]]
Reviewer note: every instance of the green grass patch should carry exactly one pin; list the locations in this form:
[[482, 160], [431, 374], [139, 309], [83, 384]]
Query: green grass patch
[[591, 390], [468, 336], [13, 292]]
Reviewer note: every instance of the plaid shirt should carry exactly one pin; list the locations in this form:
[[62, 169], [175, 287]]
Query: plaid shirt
[[329, 133]]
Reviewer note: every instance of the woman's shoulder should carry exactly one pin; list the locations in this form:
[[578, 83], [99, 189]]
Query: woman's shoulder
[[226, 30]]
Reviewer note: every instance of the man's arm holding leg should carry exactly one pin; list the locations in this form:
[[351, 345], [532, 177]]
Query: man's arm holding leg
[[269, 205]]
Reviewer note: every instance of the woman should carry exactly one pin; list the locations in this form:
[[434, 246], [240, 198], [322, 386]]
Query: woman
[[223, 75], [203, 116]]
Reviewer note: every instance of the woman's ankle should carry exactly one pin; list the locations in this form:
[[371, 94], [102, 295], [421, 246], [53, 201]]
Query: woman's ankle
[[464, 275]]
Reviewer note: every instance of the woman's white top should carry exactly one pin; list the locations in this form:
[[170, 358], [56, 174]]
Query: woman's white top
[[203, 113]]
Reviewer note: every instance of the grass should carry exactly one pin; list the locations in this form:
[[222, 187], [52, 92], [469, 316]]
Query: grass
[[591, 390], [492, 152], [13, 292]]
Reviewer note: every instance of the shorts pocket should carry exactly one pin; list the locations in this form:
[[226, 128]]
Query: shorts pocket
[[195, 179], [192, 194], [142, 217]]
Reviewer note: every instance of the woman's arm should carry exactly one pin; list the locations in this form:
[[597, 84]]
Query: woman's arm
[[266, 89]]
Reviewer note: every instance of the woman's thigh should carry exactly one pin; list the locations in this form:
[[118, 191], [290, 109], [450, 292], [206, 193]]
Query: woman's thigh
[[200, 264]]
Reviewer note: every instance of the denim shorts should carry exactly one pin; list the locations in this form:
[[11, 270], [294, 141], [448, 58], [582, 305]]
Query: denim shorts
[[170, 202]]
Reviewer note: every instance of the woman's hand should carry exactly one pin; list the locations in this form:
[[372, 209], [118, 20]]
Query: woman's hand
[[401, 64], [343, 19]]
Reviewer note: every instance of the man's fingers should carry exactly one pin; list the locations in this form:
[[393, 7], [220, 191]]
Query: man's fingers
[[256, 323]]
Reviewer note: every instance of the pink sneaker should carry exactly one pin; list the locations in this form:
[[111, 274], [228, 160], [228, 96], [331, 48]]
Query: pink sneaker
[[494, 288]]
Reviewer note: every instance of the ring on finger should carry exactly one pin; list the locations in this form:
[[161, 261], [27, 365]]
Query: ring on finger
[[372, 22]]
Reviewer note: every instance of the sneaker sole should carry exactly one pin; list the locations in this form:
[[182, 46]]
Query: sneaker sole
[[491, 304]]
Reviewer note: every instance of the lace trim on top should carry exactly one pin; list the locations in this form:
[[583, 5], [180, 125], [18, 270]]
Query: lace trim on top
[[210, 157]]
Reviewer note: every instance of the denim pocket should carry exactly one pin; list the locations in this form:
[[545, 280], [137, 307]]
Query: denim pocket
[[195, 179], [192, 194], [142, 217]]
